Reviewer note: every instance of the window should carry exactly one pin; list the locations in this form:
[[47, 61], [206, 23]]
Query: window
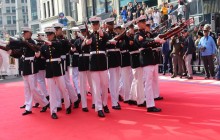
[[0, 10], [13, 19], [23, 9], [22, 1], [24, 21], [8, 19], [12, 1], [0, 20], [100, 7], [7, 1], [35, 28], [89, 8], [13, 9], [33, 10], [8, 10], [45, 11], [48, 8], [52, 5]]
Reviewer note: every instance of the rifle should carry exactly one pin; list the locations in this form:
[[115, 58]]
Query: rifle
[[176, 29], [120, 36], [88, 36]]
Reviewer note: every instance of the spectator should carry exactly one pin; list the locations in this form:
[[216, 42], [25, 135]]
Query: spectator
[[166, 50], [180, 13], [164, 10], [113, 15], [188, 49], [195, 33], [124, 14], [177, 56], [138, 11], [208, 48], [171, 16], [144, 6], [120, 20], [130, 16], [218, 58], [156, 18]]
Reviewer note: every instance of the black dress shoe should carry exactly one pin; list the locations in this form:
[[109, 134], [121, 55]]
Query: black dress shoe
[[68, 110], [118, 107], [54, 116], [106, 110], [36, 105], [190, 78], [158, 98], [101, 114], [173, 76], [26, 112], [62, 100], [79, 98], [153, 109], [206, 77], [85, 109], [93, 106], [59, 109], [76, 103], [23, 106], [126, 102], [142, 105], [48, 98], [131, 102], [120, 98], [44, 109]]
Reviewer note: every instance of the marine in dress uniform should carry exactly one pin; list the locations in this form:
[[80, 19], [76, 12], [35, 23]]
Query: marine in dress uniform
[[41, 63], [98, 66], [65, 49], [84, 73], [147, 61], [114, 63], [126, 72], [28, 48], [75, 60], [52, 52]]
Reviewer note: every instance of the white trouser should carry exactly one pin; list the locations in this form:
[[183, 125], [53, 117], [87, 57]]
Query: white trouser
[[84, 79], [156, 88], [60, 83], [114, 77], [150, 74], [32, 92], [137, 89], [58, 95], [72, 94], [100, 88], [41, 81], [75, 77], [126, 78]]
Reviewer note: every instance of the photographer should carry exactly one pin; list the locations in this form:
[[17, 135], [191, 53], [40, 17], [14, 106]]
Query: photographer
[[208, 49], [218, 57]]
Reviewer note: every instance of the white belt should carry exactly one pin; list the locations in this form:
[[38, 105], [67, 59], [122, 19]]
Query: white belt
[[32, 64], [53, 60], [86, 54], [97, 52], [141, 49], [29, 58], [133, 52], [124, 51], [63, 56], [113, 50], [76, 54]]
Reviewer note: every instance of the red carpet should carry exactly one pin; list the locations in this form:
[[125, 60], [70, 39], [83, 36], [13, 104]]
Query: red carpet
[[191, 111]]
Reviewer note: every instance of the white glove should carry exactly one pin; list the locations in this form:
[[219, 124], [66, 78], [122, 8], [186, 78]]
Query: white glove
[[159, 40], [88, 41], [101, 34], [3, 44], [48, 43], [80, 36], [9, 52], [73, 49], [112, 41], [37, 54]]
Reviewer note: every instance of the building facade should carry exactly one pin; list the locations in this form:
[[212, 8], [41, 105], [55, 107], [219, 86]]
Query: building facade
[[9, 17]]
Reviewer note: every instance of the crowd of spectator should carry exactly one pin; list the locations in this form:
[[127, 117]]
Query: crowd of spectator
[[164, 13]]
